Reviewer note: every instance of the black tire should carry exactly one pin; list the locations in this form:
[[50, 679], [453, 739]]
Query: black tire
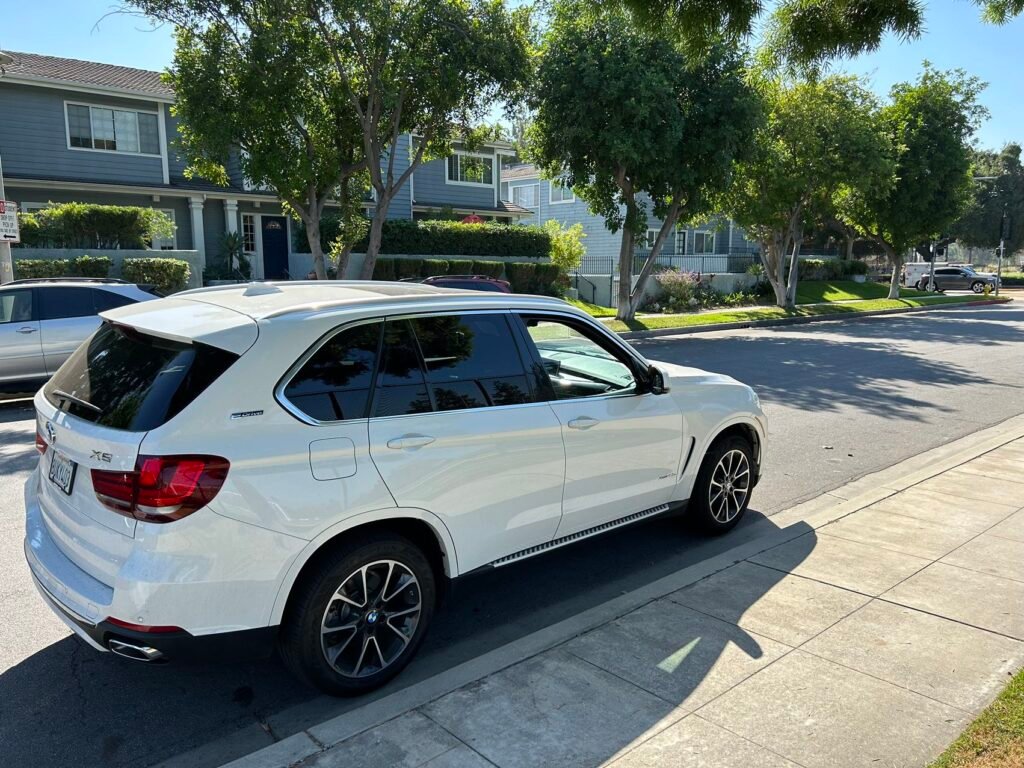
[[922, 285], [978, 287], [704, 506], [316, 595]]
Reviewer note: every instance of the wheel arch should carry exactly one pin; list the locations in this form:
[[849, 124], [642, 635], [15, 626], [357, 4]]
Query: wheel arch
[[745, 426], [420, 526]]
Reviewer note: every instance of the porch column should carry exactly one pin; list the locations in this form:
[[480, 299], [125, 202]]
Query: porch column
[[230, 216], [198, 235]]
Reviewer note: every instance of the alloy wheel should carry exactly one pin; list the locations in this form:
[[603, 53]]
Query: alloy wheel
[[730, 484], [371, 618]]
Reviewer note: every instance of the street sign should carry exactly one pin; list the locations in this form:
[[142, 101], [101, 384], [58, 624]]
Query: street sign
[[9, 222]]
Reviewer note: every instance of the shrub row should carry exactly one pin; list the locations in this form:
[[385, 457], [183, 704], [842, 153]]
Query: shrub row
[[431, 237], [82, 266], [84, 225], [830, 269], [168, 275], [525, 277]]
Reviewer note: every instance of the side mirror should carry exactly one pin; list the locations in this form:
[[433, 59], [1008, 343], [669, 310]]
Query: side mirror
[[659, 384]]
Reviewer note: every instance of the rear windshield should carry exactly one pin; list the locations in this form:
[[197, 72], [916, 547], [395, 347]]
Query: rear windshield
[[124, 379]]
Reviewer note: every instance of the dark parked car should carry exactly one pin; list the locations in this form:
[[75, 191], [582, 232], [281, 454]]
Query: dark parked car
[[959, 279], [469, 282]]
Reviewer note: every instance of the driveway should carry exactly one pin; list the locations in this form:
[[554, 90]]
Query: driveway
[[843, 399]]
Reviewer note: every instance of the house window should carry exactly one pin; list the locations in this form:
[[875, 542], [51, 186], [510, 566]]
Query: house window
[[650, 237], [703, 242], [248, 233], [525, 196], [112, 130], [471, 169], [166, 243], [561, 194]]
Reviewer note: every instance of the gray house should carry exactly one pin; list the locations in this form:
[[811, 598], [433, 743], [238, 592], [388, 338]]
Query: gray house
[[81, 131], [719, 246]]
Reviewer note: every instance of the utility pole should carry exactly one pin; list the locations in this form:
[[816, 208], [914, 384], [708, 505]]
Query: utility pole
[[1003, 233]]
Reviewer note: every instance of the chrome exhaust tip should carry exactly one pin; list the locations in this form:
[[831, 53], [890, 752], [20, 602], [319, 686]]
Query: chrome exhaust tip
[[134, 652]]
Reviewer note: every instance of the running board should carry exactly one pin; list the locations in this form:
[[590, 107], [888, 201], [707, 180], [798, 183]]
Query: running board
[[563, 540]]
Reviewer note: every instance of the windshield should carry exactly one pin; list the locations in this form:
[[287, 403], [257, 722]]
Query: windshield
[[572, 359], [124, 379]]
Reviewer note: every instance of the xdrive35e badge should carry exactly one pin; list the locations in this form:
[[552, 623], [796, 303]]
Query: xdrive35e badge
[[246, 414]]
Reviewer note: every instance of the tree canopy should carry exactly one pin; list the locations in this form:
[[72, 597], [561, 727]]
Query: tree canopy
[[820, 140], [635, 126], [930, 124], [997, 189]]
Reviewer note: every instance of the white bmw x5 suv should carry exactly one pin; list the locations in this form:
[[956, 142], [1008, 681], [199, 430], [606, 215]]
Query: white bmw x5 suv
[[305, 464]]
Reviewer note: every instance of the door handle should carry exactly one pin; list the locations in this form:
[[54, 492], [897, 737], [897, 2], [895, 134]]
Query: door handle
[[410, 441], [27, 329], [583, 422]]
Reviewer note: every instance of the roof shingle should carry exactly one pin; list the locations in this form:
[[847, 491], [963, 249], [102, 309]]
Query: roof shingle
[[88, 73]]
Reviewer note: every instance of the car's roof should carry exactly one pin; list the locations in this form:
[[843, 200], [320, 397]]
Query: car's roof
[[264, 300], [105, 283]]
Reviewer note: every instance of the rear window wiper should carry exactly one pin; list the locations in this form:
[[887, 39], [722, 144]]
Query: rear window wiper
[[62, 395]]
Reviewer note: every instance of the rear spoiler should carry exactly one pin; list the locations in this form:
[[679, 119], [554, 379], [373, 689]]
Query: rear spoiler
[[189, 322]]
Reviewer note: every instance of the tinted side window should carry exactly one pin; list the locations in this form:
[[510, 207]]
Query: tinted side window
[[16, 306], [104, 300], [401, 386], [471, 361], [58, 303], [335, 383]]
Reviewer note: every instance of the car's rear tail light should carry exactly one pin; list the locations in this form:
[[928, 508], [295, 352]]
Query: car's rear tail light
[[41, 444], [161, 488]]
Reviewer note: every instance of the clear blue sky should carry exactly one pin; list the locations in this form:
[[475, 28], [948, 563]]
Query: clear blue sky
[[955, 37]]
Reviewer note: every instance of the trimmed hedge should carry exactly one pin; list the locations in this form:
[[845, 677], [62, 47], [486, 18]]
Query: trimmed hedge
[[435, 237], [168, 275], [84, 225], [82, 266], [461, 267], [434, 267], [830, 269], [521, 275], [493, 269]]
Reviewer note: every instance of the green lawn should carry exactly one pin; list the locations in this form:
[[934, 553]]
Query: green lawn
[[594, 310], [652, 322], [996, 738], [815, 291]]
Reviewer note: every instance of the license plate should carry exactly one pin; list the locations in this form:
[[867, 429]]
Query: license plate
[[62, 471]]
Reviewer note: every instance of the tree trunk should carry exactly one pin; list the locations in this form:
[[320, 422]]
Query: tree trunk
[[637, 295], [623, 310], [894, 282], [850, 240], [794, 270], [343, 260], [313, 236], [373, 244]]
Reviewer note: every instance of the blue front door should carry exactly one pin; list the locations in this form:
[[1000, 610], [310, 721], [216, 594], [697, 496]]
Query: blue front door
[[275, 248]]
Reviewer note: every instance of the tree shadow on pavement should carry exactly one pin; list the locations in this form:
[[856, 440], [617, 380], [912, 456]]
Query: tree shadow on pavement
[[976, 327], [821, 374]]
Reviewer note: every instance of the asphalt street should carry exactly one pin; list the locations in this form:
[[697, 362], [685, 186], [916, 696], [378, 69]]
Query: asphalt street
[[843, 398]]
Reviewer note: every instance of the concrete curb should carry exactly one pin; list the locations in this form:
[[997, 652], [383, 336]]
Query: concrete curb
[[764, 535], [656, 332]]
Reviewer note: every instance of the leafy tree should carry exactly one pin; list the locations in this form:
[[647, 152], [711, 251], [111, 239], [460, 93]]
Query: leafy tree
[[803, 32], [635, 126], [567, 249], [820, 139], [1001, 192], [929, 123], [253, 78], [432, 67]]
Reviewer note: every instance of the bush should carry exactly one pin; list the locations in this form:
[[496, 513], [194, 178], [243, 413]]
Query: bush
[[546, 277], [855, 267], [82, 266], [522, 276], [408, 268], [567, 249], [830, 269], [493, 269], [444, 238], [462, 267], [384, 269], [84, 225], [168, 275], [433, 267]]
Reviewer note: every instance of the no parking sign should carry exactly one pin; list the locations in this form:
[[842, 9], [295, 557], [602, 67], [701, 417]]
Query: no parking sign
[[9, 222]]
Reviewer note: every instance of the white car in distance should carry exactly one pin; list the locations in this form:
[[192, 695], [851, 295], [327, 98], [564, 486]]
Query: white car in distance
[[304, 464]]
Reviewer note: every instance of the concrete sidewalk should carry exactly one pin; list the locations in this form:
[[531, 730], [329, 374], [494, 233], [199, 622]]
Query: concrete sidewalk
[[869, 629]]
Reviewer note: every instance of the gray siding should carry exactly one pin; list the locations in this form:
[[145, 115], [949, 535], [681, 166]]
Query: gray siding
[[431, 186], [401, 204], [33, 139], [175, 162], [213, 228]]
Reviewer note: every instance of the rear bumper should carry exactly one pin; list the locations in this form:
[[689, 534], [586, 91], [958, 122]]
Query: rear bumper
[[213, 577]]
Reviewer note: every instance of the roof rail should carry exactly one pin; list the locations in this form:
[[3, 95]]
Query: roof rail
[[37, 280]]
